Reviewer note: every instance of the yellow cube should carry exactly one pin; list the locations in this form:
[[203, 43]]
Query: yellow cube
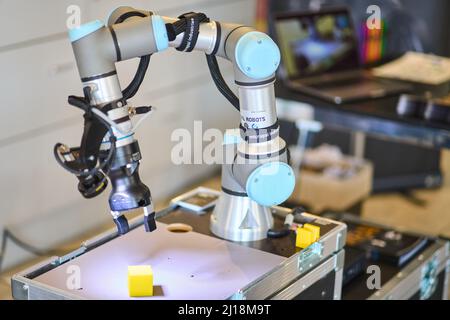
[[314, 229], [304, 238], [140, 281]]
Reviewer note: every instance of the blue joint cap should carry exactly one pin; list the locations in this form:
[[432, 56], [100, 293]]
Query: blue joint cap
[[160, 33], [257, 55], [271, 183], [85, 30]]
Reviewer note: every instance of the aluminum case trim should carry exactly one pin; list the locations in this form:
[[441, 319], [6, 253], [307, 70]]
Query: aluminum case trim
[[24, 287], [335, 263], [407, 282]]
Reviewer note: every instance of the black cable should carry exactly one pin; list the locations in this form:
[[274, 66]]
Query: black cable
[[84, 173], [286, 229], [8, 235], [275, 234], [143, 110], [79, 102], [220, 83], [180, 26], [131, 90], [84, 105], [191, 30]]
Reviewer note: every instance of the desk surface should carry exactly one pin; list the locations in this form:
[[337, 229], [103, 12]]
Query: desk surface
[[185, 265], [375, 116]]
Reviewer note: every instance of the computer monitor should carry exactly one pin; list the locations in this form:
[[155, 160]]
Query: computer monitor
[[313, 43]]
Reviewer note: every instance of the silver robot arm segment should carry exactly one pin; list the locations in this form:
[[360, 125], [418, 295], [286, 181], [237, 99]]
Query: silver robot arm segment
[[257, 178], [98, 47], [129, 34], [255, 58]]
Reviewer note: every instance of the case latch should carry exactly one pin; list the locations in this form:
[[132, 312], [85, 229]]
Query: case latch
[[310, 257], [428, 282]]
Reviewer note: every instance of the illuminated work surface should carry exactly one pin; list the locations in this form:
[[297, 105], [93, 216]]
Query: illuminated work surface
[[185, 266]]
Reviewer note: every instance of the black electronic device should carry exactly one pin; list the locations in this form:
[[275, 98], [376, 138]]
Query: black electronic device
[[320, 57]]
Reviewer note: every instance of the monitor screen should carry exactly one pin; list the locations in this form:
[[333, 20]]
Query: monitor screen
[[315, 43]]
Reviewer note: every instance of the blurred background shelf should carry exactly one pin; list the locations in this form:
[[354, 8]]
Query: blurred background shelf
[[376, 117]]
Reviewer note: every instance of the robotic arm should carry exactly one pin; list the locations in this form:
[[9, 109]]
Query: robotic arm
[[258, 175]]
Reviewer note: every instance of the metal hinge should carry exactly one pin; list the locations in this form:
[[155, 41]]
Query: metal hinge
[[310, 257]]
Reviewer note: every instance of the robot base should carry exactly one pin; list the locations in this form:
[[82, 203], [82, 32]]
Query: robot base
[[238, 218]]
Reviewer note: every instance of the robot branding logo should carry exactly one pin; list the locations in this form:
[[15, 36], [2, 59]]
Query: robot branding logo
[[374, 20], [254, 120], [74, 19]]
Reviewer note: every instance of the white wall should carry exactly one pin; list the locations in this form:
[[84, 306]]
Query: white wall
[[38, 199]]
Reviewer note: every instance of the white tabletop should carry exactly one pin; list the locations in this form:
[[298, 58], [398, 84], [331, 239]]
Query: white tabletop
[[185, 266]]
